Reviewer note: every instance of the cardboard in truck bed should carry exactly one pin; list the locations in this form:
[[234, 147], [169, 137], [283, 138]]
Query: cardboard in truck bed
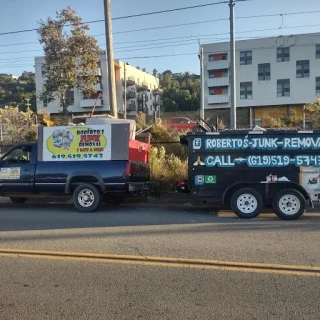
[[84, 143]]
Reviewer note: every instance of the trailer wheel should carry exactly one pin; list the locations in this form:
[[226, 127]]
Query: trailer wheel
[[18, 200], [247, 203], [289, 204], [86, 198]]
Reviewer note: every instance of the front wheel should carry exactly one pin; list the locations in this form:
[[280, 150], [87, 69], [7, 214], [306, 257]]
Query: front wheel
[[247, 203], [289, 204], [19, 200], [86, 198]]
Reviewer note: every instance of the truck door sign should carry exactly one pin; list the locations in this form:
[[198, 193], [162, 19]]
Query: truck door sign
[[265, 143]]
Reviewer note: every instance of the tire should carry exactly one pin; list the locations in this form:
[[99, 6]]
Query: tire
[[289, 204], [247, 203], [86, 198], [18, 200]]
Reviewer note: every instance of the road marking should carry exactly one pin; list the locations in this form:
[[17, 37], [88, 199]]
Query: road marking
[[313, 271]]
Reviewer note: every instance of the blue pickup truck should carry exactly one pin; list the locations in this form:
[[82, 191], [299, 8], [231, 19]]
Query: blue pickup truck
[[27, 171]]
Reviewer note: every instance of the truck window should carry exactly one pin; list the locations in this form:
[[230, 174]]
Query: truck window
[[19, 155]]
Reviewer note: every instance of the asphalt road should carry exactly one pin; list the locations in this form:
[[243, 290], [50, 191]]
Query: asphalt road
[[34, 286]]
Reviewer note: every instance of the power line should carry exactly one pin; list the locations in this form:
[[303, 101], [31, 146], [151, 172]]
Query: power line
[[192, 37], [176, 25], [136, 15]]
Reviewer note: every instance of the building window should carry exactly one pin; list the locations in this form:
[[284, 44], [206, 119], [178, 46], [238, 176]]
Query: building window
[[245, 90], [283, 54], [211, 74], [318, 85], [218, 57], [225, 91], [283, 88], [264, 71], [318, 51], [211, 92], [45, 103], [43, 70], [303, 69], [245, 57]]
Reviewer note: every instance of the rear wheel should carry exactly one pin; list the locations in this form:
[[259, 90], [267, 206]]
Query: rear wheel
[[18, 200], [247, 203], [289, 204], [86, 198]]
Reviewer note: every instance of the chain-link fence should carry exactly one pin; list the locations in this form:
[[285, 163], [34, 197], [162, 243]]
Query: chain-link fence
[[173, 148]]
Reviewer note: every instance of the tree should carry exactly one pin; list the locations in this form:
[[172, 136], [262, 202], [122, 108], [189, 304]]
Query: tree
[[180, 94], [155, 72], [71, 57], [186, 77], [144, 70], [18, 126], [138, 68]]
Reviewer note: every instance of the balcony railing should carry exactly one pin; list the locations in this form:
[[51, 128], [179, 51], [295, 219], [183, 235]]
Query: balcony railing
[[218, 65], [218, 82], [131, 107], [131, 81], [157, 91], [98, 87], [89, 103], [219, 98], [131, 94]]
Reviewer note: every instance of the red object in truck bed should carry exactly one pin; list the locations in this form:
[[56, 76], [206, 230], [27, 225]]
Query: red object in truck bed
[[139, 151]]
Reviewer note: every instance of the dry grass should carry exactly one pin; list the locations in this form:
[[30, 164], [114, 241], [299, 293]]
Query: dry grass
[[168, 167]]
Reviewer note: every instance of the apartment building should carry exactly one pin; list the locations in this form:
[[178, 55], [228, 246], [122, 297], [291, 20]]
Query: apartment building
[[142, 91], [274, 75]]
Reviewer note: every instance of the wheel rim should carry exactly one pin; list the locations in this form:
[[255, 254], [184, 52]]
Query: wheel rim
[[247, 203], [86, 198], [289, 204]]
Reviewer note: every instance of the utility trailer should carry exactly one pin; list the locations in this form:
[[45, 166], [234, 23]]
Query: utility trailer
[[249, 170]]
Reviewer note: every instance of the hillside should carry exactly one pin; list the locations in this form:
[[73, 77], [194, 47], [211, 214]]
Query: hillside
[[15, 92]]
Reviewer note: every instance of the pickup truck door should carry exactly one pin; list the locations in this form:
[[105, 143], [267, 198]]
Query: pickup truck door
[[17, 170]]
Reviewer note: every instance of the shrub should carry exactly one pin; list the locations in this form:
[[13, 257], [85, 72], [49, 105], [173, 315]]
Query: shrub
[[170, 168]]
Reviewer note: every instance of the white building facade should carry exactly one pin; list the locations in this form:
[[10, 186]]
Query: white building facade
[[142, 91], [274, 75]]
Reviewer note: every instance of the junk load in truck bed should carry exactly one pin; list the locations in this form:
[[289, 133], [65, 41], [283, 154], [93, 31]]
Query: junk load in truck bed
[[98, 139]]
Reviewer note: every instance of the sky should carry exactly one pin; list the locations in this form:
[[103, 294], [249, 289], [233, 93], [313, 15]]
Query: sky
[[17, 51]]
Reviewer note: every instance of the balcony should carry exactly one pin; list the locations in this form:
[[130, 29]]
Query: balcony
[[131, 94], [98, 87], [218, 82], [157, 91], [218, 65], [142, 86], [89, 103], [131, 107], [131, 81], [219, 98]]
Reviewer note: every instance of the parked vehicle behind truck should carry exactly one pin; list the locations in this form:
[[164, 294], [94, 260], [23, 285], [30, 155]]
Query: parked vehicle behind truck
[[248, 170], [99, 161]]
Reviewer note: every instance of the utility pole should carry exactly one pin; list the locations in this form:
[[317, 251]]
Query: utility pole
[[110, 58], [202, 84], [233, 93], [125, 90]]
